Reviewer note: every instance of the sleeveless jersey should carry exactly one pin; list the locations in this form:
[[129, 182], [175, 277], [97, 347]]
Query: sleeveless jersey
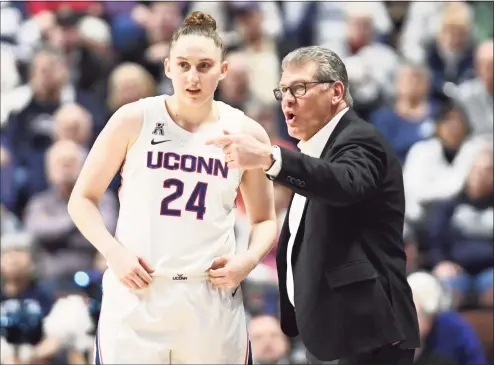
[[177, 195]]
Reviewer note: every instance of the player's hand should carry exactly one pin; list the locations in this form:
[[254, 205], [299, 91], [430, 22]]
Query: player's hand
[[132, 271], [228, 271], [243, 151]]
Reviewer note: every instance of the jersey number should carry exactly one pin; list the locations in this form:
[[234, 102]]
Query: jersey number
[[195, 203]]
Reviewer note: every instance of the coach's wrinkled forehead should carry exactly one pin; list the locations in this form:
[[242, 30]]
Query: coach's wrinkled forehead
[[302, 71]]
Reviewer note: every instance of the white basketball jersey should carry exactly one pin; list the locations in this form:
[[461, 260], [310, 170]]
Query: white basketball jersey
[[177, 199]]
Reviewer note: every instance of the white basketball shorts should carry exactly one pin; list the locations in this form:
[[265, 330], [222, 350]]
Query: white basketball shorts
[[176, 320]]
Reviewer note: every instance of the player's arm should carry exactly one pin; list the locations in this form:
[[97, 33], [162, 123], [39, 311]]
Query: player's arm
[[102, 163], [258, 195]]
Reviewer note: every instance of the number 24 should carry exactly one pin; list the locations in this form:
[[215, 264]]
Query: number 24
[[196, 202]]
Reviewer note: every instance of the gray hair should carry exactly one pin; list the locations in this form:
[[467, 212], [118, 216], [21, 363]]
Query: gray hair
[[330, 66]]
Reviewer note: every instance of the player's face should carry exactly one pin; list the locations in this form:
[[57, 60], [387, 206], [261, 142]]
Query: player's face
[[306, 114], [195, 68]]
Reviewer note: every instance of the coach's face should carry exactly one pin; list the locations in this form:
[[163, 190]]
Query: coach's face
[[307, 114]]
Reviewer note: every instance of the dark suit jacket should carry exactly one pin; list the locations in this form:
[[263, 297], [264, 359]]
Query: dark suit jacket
[[351, 292]]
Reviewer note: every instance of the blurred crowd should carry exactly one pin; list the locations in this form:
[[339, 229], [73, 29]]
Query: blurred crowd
[[421, 72]]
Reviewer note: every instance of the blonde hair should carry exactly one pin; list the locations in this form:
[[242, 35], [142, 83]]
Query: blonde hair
[[128, 70], [457, 14]]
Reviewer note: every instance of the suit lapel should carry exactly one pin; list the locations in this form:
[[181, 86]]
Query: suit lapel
[[347, 118]]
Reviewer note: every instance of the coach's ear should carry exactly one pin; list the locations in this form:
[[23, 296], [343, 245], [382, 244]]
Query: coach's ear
[[224, 70], [166, 67], [338, 93]]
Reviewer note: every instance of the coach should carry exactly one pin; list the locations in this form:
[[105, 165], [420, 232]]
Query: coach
[[340, 257]]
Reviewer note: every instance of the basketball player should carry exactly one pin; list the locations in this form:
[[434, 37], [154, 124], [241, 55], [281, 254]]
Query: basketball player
[[171, 292]]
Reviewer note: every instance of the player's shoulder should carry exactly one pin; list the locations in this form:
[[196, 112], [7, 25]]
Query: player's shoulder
[[241, 123], [130, 117], [227, 111], [128, 114], [135, 110]]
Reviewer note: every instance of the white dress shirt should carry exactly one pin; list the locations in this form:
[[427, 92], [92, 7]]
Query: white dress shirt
[[314, 148]]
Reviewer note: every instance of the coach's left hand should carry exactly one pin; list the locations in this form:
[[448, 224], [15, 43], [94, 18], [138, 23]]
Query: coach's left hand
[[228, 271], [243, 151]]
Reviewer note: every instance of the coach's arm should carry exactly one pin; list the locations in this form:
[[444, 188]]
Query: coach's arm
[[354, 171]]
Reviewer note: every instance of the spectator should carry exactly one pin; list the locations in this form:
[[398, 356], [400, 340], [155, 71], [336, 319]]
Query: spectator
[[259, 50], [73, 320], [128, 82], [269, 344], [24, 306], [235, 89], [93, 7], [447, 338], [422, 23], [222, 13], [88, 59], [461, 234], [476, 95], [62, 248], [371, 82], [149, 48], [436, 169], [398, 12], [28, 132], [9, 222], [410, 119], [322, 22], [450, 57], [10, 73], [6, 176], [73, 122]]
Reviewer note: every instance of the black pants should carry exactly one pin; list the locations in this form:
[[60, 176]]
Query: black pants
[[386, 355]]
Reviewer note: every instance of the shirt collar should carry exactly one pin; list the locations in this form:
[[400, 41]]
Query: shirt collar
[[315, 145]]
